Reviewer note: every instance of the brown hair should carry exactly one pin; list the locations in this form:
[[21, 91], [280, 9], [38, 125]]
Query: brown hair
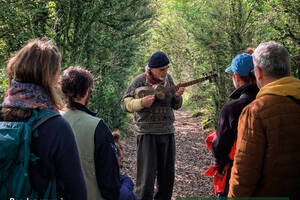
[[249, 50], [250, 78], [74, 83], [118, 142], [119, 145], [38, 62]]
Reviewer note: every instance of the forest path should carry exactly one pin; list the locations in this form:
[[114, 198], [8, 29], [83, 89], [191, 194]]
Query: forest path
[[192, 157]]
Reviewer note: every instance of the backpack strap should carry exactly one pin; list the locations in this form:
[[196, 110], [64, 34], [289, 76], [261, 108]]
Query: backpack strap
[[50, 193], [42, 120]]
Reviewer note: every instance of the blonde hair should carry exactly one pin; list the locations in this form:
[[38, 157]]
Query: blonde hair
[[37, 62]]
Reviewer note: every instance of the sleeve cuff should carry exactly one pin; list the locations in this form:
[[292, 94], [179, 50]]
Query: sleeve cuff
[[133, 104]]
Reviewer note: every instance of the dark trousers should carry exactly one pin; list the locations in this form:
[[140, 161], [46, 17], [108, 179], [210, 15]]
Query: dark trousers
[[155, 157]]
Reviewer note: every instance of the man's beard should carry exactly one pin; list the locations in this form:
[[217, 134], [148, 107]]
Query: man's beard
[[163, 78]]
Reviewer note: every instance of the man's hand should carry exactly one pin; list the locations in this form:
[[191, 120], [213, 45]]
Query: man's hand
[[179, 92], [147, 101]]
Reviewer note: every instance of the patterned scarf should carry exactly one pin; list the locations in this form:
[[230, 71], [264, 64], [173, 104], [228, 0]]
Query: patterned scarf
[[27, 95], [153, 80]]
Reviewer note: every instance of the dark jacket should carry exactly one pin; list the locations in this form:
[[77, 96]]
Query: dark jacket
[[105, 158], [106, 164], [228, 121], [58, 157]]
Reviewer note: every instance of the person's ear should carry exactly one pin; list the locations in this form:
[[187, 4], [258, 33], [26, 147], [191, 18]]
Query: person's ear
[[87, 93], [259, 73], [237, 77]]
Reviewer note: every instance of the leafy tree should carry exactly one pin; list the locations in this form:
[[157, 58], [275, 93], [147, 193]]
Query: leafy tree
[[114, 40], [201, 37], [282, 21], [3, 85], [102, 36]]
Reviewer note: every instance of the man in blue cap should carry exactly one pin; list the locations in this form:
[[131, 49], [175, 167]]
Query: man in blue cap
[[246, 89], [153, 124]]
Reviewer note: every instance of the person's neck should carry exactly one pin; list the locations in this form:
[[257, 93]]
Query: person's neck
[[268, 80], [81, 101], [82, 107], [240, 84]]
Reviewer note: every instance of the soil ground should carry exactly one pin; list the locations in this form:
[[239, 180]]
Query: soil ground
[[192, 157]]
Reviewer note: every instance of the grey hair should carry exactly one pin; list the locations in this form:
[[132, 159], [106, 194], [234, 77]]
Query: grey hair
[[273, 59], [147, 68]]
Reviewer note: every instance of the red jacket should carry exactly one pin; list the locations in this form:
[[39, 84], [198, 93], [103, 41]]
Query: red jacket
[[219, 178]]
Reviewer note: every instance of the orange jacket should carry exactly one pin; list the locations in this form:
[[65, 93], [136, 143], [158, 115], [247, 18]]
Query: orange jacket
[[267, 159]]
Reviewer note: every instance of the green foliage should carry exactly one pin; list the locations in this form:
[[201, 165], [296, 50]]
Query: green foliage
[[102, 36], [201, 36], [114, 40], [107, 45], [3, 85], [285, 22]]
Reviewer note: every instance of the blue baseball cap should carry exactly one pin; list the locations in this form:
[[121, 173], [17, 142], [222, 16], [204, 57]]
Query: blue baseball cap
[[241, 64]]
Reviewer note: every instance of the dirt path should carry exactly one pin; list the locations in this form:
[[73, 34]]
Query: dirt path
[[192, 158]]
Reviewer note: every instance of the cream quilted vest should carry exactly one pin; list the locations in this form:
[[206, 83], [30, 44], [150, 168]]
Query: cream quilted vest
[[84, 126]]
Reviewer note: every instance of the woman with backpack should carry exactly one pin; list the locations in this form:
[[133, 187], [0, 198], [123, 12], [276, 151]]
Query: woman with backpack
[[32, 74]]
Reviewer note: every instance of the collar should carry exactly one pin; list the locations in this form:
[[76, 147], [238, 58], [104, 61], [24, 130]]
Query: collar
[[83, 108], [286, 86], [247, 88], [152, 79]]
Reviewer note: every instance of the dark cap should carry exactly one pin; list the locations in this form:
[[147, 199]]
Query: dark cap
[[158, 59]]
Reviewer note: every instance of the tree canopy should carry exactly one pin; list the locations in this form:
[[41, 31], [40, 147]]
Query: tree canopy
[[114, 40]]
